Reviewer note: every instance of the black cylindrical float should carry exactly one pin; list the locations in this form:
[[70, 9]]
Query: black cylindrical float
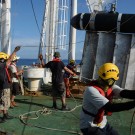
[[112, 22]]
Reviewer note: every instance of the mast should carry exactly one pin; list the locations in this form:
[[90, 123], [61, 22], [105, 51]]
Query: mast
[[42, 38], [5, 26], [54, 27], [72, 36]]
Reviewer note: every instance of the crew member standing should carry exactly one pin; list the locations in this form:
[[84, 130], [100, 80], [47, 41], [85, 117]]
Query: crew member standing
[[5, 82], [15, 75], [58, 88], [67, 75], [97, 102]]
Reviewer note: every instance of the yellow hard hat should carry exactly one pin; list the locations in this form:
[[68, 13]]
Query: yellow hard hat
[[16, 58], [72, 61], [108, 70], [4, 56]]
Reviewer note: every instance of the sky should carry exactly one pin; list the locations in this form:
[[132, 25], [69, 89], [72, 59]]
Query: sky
[[24, 29]]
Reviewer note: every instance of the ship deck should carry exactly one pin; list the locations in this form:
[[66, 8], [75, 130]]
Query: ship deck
[[34, 115], [38, 118]]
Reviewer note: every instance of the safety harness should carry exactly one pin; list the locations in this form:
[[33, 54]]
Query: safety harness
[[13, 74], [8, 74], [99, 116]]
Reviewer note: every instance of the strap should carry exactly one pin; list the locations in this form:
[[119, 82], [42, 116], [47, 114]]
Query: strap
[[89, 113], [118, 22], [92, 21], [81, 21], [8, 75]]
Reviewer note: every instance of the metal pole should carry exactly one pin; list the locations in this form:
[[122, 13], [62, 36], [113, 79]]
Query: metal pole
[[6, 41], [72, 36]]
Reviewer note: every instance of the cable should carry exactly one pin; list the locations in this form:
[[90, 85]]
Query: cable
[[46, 111], [35, 17], [132, 121]]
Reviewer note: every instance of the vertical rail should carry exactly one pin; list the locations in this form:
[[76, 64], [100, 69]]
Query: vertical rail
[[72, 36], [5, 29], [42, 37]]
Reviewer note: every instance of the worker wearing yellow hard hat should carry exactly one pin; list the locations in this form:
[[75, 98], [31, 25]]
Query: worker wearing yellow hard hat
[[67, 75], [5, 81], [3, 56], [16, 58], [97, 102]]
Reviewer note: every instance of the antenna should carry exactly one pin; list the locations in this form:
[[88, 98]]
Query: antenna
[[101, 5], [94, 5], [109, 5]]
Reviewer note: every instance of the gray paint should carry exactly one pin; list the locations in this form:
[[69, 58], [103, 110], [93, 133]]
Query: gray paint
[[89, 55], [106, 44], [118, 48], [121, 51], [130, 80]]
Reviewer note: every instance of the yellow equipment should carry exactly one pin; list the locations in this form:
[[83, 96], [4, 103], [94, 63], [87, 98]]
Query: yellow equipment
[[72, 61], [109, 70], [4, 56]]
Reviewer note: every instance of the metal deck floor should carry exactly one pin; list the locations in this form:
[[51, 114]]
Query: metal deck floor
[[57, 122]]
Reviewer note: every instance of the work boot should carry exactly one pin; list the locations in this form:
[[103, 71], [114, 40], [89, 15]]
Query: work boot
[[2, 120], [54, 106], [65, 108], [7, 117]]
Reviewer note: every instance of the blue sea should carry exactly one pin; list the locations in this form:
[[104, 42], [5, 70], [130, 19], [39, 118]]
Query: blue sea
[[29, 62]]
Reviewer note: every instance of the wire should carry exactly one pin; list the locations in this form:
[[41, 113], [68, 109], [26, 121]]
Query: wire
[[45, 111], [132, 121], [35, 17], [53, 46]]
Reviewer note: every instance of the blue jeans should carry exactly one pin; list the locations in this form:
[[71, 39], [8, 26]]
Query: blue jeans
[[107, 130]]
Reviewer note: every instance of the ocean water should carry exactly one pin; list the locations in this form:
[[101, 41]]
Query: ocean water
[[29, 62]]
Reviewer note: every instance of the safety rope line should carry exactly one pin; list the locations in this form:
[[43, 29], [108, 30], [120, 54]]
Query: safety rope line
[[132, 121], [45, 111]]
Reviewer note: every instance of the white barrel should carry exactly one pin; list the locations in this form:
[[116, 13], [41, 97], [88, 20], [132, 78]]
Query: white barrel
[[34, 72], [34, 84], [35, 78]]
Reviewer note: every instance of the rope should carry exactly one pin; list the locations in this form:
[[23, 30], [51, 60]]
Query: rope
[[132, 121], [45, 111]]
